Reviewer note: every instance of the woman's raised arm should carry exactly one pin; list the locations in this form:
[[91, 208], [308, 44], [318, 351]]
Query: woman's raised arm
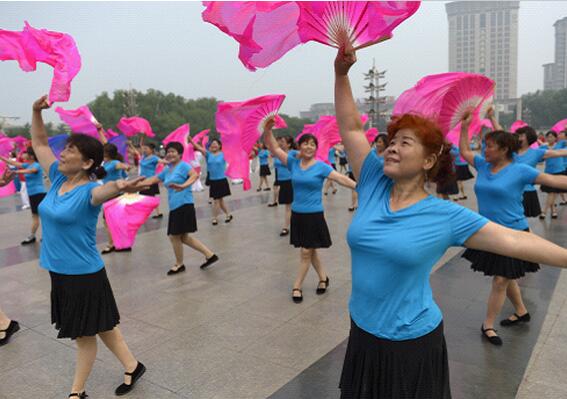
[[40, 144]]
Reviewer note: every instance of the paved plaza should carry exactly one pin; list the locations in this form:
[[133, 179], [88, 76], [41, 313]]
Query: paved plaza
[[232, 331]]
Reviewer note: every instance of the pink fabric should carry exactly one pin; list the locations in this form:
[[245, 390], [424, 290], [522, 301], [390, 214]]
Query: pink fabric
[[202, 136], [80, 120], [517, 124], [362, 23], [109, 133], [6, 146], [179, 135], [560, 126], [371, 134], [264, 30], [240, 125], [445, 98], [8, 189], [31, 46], [121, 143], [134, 125], [124, 216]]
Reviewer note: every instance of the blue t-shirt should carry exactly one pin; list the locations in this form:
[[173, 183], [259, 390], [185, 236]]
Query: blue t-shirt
[[531, 157], [34, 181], [499, 195], [307, 184], [332, 156], [112, 173], [459, 161], [148, 165], [179, 174], [69, 228], [216, 165], [554, 165], [391, 297], [263, 156]]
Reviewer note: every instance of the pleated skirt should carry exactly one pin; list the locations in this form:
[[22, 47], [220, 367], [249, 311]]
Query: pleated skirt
[[265, 170], [376, 368], [82, 305], [309, 230], [182, 220], [463, 172], [219, 188]]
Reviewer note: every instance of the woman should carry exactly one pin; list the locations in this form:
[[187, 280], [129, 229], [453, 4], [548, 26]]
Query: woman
[[285, 188], [148, 165], [264, 159], [396, 346], [342, 160], [463, 172], [31, 170], [555, 167], [532, 156], [381, 143], [82, 302], [309, 229], [178, 177], [218, 184], [499, 187]]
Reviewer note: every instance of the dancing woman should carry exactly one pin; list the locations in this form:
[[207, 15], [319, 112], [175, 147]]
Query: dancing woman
[[555, 167], [264, 159], [285, 187], [178, 177], [148, 165], [82, 303], [396, 346], [381, 143], [309, 230], [218, 183], [31, 170]]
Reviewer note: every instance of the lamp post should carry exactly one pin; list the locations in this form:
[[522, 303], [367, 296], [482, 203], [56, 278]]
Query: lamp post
[[374, 88]]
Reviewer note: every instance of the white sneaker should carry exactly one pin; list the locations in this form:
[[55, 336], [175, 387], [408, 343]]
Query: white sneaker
[[25, 207]]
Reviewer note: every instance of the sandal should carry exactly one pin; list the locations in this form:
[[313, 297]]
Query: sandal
[[297, 299], [108, 249], [284, 232], [135, 375], [494, 340], [321, 291]]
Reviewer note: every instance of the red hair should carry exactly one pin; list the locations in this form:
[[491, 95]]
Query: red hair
[[433, 141]]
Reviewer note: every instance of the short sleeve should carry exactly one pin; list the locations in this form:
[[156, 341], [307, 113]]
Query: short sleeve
[[540, 154], [207, 156], [161, 175], [291, 161], [324, 169], [478, 162], [528, 174], [464, 223], [372, 169], [54, 171]]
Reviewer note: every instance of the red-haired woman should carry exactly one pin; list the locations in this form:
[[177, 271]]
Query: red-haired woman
[[396, 347]]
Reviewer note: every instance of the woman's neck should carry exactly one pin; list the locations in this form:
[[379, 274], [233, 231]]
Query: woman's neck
[[404, 191], [500, 163], [77, 178]]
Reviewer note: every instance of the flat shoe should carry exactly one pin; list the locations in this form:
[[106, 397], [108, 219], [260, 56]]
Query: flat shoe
[[209, 261], [12, 328], [228, 219], [321, 291], [157, 216], [519, 319], [123, 389], [129, 249], [297, 299], [82, 395], [495, 340], [284, 232], [108, 250], [180, 269]]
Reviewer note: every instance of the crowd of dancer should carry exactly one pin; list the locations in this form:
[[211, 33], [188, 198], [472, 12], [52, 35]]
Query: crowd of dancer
[[396, 346]]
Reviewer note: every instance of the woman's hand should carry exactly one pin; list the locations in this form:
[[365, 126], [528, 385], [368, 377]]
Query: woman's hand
[[346, 58], [177, 187], [269, 124], [466, 120], [132, 186], [41, 104]]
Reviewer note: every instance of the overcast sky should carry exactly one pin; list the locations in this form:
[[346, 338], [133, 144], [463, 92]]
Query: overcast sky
[[167, 46]]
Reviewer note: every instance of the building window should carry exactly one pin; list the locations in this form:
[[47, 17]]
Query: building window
[[483, 20]]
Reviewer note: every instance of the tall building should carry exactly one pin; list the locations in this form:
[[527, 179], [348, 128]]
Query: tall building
[[555, 73], [483, 38]]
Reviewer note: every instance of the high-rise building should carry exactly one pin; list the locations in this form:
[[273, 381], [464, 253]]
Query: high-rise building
[[483, 38], [555, 73]]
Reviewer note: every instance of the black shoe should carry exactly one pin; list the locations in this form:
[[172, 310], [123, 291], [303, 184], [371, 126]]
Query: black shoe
[[157, 216], [82, 395], [215, 222], [297, 299], [519, 319], [351, 209], [542, 216], [272, 204], [29, 240], [228, 219], [554, 215], [123, 389], [108, 250], [129, 249], [210, 261], [12, 328], [180, 269], [259, 189], [284, 232], [267, 189], [321, 291], [495, 340]]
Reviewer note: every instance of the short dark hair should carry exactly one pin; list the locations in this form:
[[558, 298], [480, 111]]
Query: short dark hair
[[31, 152], [150, 144], [90, 148], [176, 146], [382, 137], [217, 141], [530, 133], [306, 137], [505, 140], [551, 133]]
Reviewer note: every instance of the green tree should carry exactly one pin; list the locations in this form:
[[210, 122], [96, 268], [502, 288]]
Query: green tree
[[543, 109]]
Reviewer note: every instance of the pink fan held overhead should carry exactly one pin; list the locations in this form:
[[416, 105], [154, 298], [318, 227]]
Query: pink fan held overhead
[[80, 120], [560, 126], [241, 124], [517, 124], [134, 125], [40, 45], [180, 135]]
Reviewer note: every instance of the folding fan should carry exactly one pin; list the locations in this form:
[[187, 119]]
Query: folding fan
[[134, 125], [180, 135], [560, 126], [124, 216], [517, 124], [80, 120]]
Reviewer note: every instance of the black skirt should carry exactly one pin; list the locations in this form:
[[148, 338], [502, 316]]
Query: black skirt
[[276, 181], [35, 200], [548, 189], [532, 207], [497, 265], [376, 368], [448, 188], [342, 161], [463, 172], [309, 230], [82, 305], [152, 191], [219, 188], [182, 220], [265, 170], [207, 180], [285, 195]]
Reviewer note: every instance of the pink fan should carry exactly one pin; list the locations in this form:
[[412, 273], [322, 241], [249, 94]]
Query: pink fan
[[362, 23], [371, 134], [80, 120], [517, 124], [8, 189], [560, 126], [240, 125], [7, 145], [179, 135], [124, 216], [40, 45], [134, 125], [109, 133], [200, 138]]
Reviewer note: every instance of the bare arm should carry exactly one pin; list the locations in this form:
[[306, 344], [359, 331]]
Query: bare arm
[[557, 181], [343, 180], [517, 244], [101, 135], [464, 144], [348, 118], [493, 120], [271, 142], [11, 162], [40, 144], [150, 181], [555, 154], [112, 189], [196, 146], [193, 176], [122, 166]]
